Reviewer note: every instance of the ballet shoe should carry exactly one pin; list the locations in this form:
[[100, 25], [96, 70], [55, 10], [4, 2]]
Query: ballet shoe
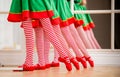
[[75, 63], [48, 65], [83, 62], [38, 67], [91, 62], [28, 68], [67, 62], [53, 64]]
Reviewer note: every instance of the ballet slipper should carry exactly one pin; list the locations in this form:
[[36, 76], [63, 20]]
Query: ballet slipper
[[48, 65], [67, 62], [75, 63], [28, 68], [38, 67], [91, 62], [83, 62], [53, 64]]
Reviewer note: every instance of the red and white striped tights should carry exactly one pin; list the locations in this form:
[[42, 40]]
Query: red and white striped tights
[[43, 46], [28, 31], [40, 45], [50, 34], [70, 40], [62, 41]]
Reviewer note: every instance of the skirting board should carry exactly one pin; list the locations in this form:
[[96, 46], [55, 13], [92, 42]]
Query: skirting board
[[100, 58]]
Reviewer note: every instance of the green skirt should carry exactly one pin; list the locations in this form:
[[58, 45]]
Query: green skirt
[[78, 18], [88, 22], [23, 9], [64, 12], [55, 19]]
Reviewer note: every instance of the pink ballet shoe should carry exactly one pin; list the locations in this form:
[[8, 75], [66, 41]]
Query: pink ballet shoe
[[48, 65], [84, 64], [75, 63], [53, 64], [91, 62], [38, 67], [66, 61]]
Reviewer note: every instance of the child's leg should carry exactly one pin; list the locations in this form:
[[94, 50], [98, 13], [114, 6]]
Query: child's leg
[[79, 41], [69, 38], [40, 47], [94, 39], [90, 39], [56, 56], [55, 62], [28, 31], [65, 45], [84, 38], [48, 29], [46, 51], [62, 40]]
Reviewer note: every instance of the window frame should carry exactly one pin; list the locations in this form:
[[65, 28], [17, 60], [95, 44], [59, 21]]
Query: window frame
[[112, 11]]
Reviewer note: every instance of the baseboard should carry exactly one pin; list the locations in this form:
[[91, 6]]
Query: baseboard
[[100, 58]]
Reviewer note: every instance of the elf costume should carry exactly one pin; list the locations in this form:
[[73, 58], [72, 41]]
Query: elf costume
[[55, 20], [87, 35], [36, 9], [66, 25]]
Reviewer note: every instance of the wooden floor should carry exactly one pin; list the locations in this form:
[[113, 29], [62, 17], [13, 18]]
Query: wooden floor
[[97, 71]]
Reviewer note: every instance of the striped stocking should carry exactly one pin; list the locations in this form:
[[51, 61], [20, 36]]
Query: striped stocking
[[62, 40], [90, 39], [28, 30], [40, 45], [48, 29], [94, 39], [78, 40], [69, 38], [84, 37], [46, 49]]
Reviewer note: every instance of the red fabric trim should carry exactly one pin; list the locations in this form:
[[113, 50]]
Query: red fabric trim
[[64, 24], [14, 17], [86, 27], [67, 22], [56, 21], [27, 14], [71, 20], [44, 14], [36, 24], [79, 23], [92, 25]]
